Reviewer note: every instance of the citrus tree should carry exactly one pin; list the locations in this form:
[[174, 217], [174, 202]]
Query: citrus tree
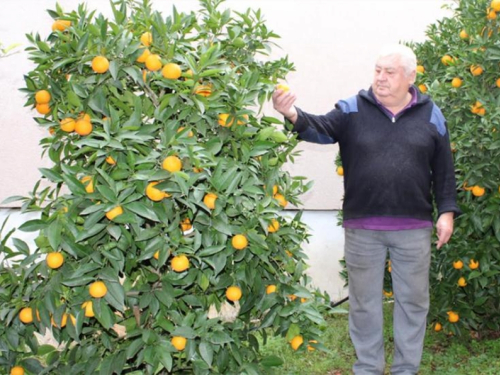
[[459, 68], [161, 246]]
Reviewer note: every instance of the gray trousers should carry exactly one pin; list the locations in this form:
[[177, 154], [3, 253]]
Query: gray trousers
[[365, 255]]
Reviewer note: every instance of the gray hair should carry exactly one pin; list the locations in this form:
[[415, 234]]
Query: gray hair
[[406, 55]]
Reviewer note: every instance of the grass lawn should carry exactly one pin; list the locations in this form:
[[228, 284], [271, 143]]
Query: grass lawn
[[442, 355]]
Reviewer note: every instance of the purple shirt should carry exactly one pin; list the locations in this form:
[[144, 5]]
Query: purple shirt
[[390, 223]]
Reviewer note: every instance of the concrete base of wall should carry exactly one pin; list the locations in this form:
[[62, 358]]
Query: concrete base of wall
[[325, 247]]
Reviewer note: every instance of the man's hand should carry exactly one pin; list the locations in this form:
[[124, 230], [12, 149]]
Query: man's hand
[[283, 103], [444, 227]]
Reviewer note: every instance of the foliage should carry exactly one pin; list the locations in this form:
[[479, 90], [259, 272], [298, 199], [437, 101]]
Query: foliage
[[469, 37], [137, 119]]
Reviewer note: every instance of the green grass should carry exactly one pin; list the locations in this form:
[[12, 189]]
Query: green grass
[[443, 355]]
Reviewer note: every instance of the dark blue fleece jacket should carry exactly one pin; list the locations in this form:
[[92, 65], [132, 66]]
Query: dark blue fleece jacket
[[393, 166]]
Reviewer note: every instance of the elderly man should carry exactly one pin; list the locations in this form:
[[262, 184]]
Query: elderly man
[[396, 155]]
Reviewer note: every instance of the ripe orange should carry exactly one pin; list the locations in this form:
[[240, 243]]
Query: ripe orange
[[233, 293], [83, 127], [476, 70], [446, 59], [178, 342], [114, 212], [497, 82], [64, 320], [245, 118], [180, 263], [89, 309], [491, 15], [478, 191], [147, 38], [296, 342], [42, 97], [458, 264], [43, 109], [453, 317], [190, 134], [145, 54], [26, 315], [153, 63], [495, 5], [171, 71], [155, 194], [388, 294], [456, 82], [438, 327], [186, 224], [270, 289], [98, 289], [473, 264], [156, 255], [223, 120], [54, 260], [17, 370], [110, 160], [239, 242], [172, 163], [209, 200], [83, 116], [203, 90], [281, 200], [273, 226], [462, 282], [310, 347], [89, 184], [340, 170], [60, 25], [283, 87], [100, 64], [463, 34], [420, 69], [422, 88], [68, 125]]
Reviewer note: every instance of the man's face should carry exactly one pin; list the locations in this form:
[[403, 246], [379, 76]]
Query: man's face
[[390, 82]]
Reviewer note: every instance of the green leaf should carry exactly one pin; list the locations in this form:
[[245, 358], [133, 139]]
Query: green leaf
[[54, 234], [33, 225], [271, 361], [142, 210], [206, 352], [51, 175]]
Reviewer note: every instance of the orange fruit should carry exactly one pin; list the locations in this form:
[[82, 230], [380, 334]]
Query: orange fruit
[[171, 71], [281, 200], [54, 260], [233, 293], [42, 97], [68, 125], [83, 116], [172, 163], [114, 212], [98, 289], [17, 370], [273, 226], [473, 264], [476, 70], [145, 54], [495, 5], [270, 289], [180, 263], [296, 342], [89, 184], [223, 120], [156, 255], [458, 264], [186, 224], [456, 82], [178, 342], [388, 294], [155, 194], [463, 34], [481, 111], [340, 171], [190, 134], [147, 38], [292, 297], [283, 87], [497, 82], [422, 88], [446, 59], [60, 25], [110, 160], [453, 317], [203, 90], [491, 14], [438, 327], [100, 64], [89, 309], [462, 282], [153, 63], [478, 191], [420, 69], [43, 109], [64, 320], [26, 315], [239, 242], [83, 127], [245, 118], [209, 200], [310, 347]]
